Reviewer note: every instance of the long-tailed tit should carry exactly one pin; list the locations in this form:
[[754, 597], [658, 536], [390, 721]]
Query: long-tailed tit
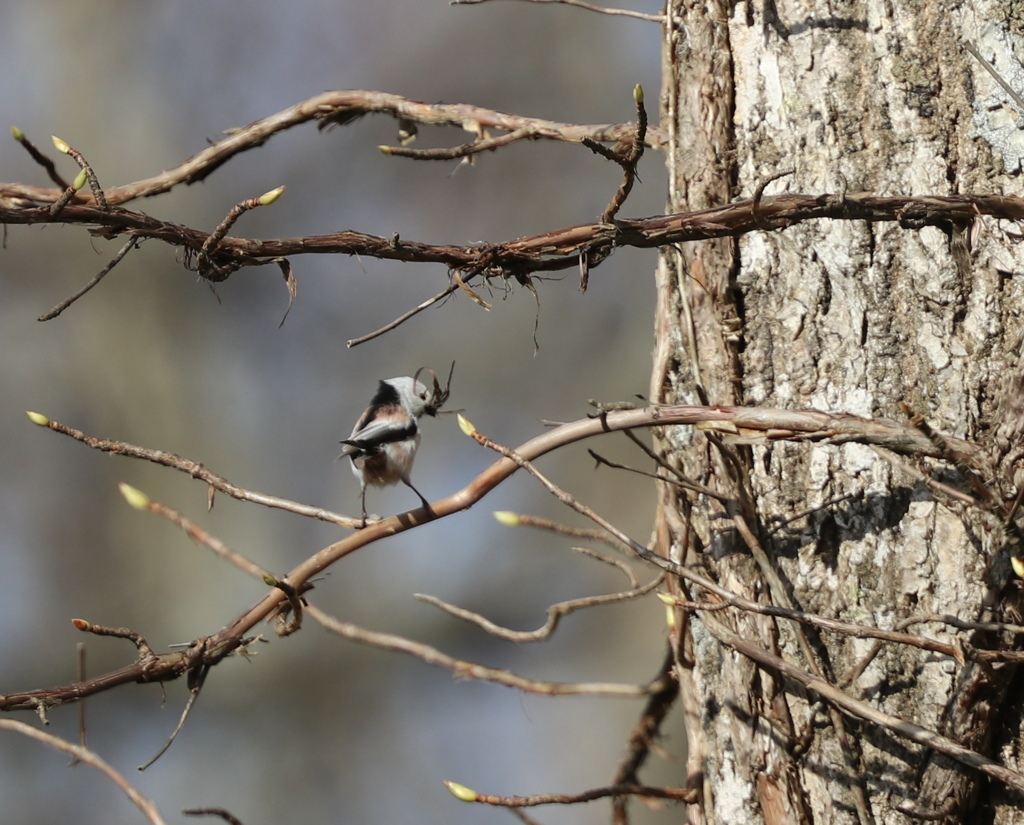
[[384, 441]]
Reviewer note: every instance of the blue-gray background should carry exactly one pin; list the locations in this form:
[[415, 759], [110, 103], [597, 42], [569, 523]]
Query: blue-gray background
[[314, 729]]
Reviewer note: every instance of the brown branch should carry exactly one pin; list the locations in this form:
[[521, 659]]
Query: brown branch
[[57, 310], [858, 631], [467, 795], [94, 184], [809, 425], [40, 158], [475, 147], [579, 4], [861, 710], [401, 319], [204, 265], [225, 815], [628, 160], [85, 755], [197, 679], [194, 469], [554, 613], [510, 519], [550, 251], [462, 669], [140, 501], [645, 731], [340, 107]]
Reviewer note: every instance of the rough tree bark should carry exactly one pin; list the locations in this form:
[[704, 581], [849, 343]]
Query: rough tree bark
[[842, 316]]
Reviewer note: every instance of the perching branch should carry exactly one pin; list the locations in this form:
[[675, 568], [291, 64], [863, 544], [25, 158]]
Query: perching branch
[[749, 423]]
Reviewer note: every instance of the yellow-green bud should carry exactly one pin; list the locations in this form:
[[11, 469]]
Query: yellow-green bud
[[38, 418], [61, 145], [268, 198], [508, 518], [17, 134], [461, 792], [136, 498], [638, 93], [466, 426]]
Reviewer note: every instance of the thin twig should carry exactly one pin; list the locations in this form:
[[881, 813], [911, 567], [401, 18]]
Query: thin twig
[[484, 144], [462, 669], [197, 534], [401, 319], [628, 160], [676, 794], [638, 15], [1014, 96], [40, 158], [90, 173], [554, 613], [646, 730], [193, 695], [85, 755], [134, 243], [861, 710], [225, 815], [198, 471]]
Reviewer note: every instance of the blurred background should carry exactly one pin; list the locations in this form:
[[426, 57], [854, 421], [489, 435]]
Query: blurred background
[[315, 729]]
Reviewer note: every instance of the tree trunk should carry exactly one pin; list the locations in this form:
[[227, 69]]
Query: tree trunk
[[849, 317]]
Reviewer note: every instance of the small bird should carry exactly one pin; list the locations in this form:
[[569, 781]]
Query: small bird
[[384, 441]]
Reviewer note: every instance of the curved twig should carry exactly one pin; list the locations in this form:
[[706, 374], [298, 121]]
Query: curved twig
[[85, 755], [338, 108], [555, 613], [462, 669]]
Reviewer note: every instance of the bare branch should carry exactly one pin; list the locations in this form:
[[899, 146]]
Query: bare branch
[[809, 425], [85, 755], [554, 613], [484, 144], [462, 669], [858, 631], [90, 174], [861, 710], [40, 158], [340, 107], [57, 310], [551, 251], [225, 815], [579, 4], [401, 319], [627, 159], [198, 471], [677, 794], [200, 536]]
